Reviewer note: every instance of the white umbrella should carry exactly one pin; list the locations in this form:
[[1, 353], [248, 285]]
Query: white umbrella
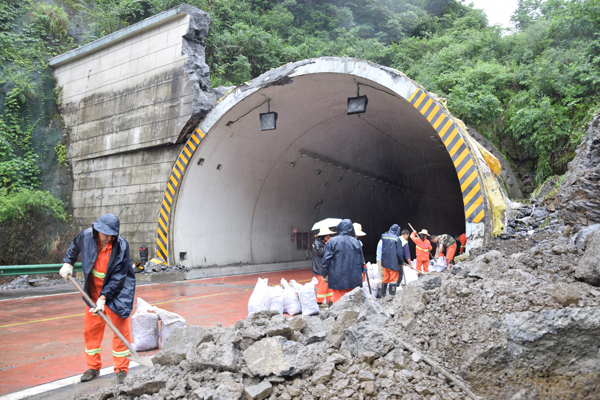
[[326, 223]]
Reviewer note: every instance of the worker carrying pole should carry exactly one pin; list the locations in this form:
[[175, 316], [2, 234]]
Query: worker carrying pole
[[110, 282], [423, 247]]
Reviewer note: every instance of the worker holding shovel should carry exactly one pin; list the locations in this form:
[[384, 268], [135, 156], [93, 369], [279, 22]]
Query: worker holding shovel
[[109, 289]]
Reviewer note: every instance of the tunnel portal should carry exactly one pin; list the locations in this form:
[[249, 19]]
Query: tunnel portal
[[241, 195]]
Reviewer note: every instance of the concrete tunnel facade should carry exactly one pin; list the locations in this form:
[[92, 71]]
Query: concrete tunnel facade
[[241, 195]]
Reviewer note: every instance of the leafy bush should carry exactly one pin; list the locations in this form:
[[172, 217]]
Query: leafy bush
[[33, 227]]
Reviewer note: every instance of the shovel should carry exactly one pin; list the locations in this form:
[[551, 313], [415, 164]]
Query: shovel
[[142, 360]]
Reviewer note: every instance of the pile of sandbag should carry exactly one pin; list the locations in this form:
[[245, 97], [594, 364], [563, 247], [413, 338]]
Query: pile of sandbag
[[146, 330], [291, 298]]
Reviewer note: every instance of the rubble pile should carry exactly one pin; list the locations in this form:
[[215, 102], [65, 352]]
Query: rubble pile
[[498, 325]]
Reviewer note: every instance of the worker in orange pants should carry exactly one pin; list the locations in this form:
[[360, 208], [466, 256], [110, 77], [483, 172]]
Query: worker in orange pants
[[93, 331], [445, 242], [110, 283], [423, 247]]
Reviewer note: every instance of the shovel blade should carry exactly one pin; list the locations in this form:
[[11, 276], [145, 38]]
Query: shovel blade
[[146, 361]]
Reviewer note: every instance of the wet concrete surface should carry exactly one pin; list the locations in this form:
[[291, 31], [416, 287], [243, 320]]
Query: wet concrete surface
[[41, 338]]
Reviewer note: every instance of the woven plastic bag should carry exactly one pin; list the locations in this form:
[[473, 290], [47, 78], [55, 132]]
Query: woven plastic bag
[[169, 321], [308, 298], [439, 265], [144, 326], [276, 296], [259, 300], [291, 303]]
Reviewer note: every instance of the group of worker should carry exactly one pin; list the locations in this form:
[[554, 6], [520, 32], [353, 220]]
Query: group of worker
[[339, 264]]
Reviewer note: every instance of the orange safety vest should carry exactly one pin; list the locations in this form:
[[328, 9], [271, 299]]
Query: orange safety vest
[[423, 247]]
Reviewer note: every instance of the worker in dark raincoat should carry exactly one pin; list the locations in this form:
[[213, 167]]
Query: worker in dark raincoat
[[392, 260], [343, 266], [110, 282]]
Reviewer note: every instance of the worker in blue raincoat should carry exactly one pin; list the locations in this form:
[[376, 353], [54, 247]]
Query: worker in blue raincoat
[[343, 266], [110, 282], [392, 259]]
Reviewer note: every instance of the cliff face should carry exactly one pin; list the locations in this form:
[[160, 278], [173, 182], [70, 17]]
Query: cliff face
[[579, 194]]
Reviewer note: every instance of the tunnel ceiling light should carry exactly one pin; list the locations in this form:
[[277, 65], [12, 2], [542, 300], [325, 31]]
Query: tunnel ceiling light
[[358, 104], [268, 120]]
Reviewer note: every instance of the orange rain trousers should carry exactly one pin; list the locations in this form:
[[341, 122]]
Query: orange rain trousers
[[450, 251], [422, 265], [337, 294], [93, 325], [93, 331], [390, 276], [324, 294]]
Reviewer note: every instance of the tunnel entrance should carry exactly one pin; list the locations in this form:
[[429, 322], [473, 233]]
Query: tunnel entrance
[[241, 195]]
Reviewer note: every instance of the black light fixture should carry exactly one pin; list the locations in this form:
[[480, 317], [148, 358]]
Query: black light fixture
[[268, 120], [358, 104]]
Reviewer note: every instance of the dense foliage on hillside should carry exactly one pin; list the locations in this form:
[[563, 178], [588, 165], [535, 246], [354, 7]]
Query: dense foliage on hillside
[[531, 90]]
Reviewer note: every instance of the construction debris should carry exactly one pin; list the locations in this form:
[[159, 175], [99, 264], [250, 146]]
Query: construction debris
[[499, 325]]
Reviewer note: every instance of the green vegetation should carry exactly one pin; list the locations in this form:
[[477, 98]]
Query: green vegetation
[[531, 91]]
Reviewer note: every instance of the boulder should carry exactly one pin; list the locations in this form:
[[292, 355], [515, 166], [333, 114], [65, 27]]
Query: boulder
[[541, 346], [430, 282], [208, 355], [414, 298], [278, 356], [580, 238], [258, 392], [350, 301], [179, 342], [364, 338], [588, 268], [566, 294]]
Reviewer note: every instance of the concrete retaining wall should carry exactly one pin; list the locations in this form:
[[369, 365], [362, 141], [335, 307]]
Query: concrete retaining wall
[[126, 100]]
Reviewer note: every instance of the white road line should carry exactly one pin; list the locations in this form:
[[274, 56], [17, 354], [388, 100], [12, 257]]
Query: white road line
[[46, 387]]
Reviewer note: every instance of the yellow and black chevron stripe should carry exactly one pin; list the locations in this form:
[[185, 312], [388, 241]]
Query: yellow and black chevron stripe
[[463, 162], [176, 175]]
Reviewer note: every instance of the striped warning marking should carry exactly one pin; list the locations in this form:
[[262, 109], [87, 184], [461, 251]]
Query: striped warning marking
[[458, 150], [173, 182]]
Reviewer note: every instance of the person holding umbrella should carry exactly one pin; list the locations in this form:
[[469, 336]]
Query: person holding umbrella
[[324, 294]]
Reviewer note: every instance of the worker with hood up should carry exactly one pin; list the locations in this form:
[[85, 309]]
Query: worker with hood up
[[324, 294], [392, 260], [343, 261], [110, 282]]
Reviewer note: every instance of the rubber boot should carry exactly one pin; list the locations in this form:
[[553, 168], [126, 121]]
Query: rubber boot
[[392, 289], [383, 289]]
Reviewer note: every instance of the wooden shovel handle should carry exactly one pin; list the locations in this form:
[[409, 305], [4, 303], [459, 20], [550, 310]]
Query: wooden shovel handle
[[411, 227], [104, 317]]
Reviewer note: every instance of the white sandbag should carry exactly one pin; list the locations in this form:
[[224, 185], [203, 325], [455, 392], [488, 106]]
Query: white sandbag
[[373, 271], [296, 286], [276, 296], [169, 321], [439, 265], [259, 300], [308, 298], [410, 275], [144, 326], [291, 303]]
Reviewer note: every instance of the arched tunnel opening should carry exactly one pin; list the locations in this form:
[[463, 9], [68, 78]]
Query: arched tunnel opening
[[252, 196]]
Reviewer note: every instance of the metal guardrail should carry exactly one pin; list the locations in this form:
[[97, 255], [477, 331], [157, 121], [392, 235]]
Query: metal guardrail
[[10, 270]]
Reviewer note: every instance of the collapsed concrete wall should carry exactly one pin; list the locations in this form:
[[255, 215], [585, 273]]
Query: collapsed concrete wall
[[130, 100]]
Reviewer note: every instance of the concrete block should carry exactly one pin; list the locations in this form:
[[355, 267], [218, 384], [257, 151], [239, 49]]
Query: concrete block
[[171, 23], [121, 177], [186, 106], [178, 55], [141, 174], [107, 61], [140, 48], [158, 42], [95, 81], [129, 68], [175, 35], [123, 55], [112, 75]]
